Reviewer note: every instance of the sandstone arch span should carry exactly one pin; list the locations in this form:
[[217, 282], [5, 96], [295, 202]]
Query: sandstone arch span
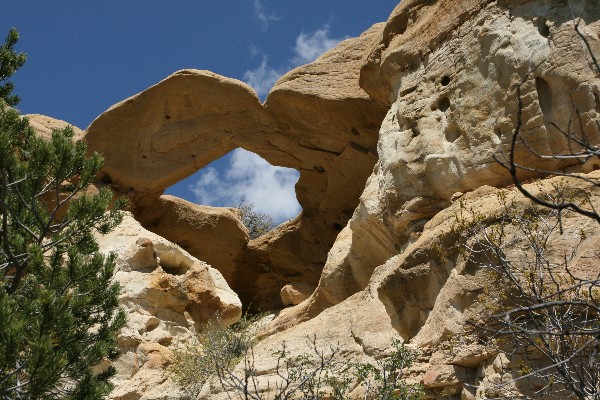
[[323, 125]]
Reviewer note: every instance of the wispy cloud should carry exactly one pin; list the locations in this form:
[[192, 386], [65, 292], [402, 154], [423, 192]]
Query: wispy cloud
[[270, 189], [309, 46], [263, 77], [262, 16]]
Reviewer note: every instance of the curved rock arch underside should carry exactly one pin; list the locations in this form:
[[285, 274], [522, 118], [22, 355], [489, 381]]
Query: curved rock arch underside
[[386, 130]]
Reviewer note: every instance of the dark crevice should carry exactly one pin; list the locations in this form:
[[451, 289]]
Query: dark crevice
[[444, 104], [544, 96], [542, 26], [452, 133]]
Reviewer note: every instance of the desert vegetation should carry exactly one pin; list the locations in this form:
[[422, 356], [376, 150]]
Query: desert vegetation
[[59, 307], [224, 356]]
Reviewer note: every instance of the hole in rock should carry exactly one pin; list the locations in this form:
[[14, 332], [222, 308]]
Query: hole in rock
[[415, 130], [444, 104], [542, 26], [498, 133], [544, 96], [408, 91], [597, 99], [172, 261], [241, 176], [445, 80], [452, 132]]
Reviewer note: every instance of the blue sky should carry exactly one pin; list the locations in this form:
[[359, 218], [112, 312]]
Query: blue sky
[[84, 56]]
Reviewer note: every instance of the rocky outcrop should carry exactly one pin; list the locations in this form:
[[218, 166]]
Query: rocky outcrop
[[43, 126], [214, 235], [374, 255], [168, 296], [448, 72], [426, 293], [320, 123]]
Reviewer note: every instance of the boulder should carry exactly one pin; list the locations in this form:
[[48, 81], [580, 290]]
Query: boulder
[[295, 293], [214, 235]]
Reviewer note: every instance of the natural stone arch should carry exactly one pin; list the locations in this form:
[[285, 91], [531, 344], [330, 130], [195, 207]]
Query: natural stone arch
[[326, 127]]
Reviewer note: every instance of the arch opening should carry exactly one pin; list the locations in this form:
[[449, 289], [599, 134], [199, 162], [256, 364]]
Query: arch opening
[[243, 177]]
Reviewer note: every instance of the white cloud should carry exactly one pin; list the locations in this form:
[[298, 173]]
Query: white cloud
[[262, 16], [263, 77], [270, 189], [309, 46]]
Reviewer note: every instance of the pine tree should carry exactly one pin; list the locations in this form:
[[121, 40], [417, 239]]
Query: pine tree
[[59, 310]]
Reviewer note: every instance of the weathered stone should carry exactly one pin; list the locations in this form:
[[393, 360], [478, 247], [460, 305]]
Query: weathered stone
[[327, 130], [214, 235], [446, 375], [448, 72], [295, 293], [168, 295]]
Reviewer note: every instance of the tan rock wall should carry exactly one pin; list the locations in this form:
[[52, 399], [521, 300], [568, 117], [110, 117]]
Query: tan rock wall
[[168, 296], [449, 72]]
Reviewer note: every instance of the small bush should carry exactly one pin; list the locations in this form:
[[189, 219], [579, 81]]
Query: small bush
[[225, 356], [257, 223], [217, 349]]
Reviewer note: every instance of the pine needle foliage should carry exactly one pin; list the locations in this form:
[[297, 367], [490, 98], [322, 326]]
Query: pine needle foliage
[[59, 309]]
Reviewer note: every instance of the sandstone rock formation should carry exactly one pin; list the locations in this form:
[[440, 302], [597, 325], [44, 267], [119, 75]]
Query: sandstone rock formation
[[211, 234], [168, 296], [448, 73], [44, 125], [426, 294], [384, 264], [327, 130]]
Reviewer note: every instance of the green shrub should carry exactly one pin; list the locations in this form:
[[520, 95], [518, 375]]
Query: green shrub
[[224, 356]]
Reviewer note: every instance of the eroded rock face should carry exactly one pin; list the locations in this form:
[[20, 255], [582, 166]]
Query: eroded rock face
[[446, 73], [425, 294], [449, 71], [316, 119], [214, 235], [168, 295]]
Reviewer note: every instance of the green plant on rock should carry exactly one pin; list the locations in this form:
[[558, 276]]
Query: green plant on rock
[[385, 380], [257, 223], [217, 350], [59, 309], [224, 356]]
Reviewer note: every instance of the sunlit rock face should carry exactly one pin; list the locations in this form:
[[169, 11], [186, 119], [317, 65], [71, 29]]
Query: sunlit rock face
[[215, 235], [387, 130], [448, 72], [316, 120], [168, 296]]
